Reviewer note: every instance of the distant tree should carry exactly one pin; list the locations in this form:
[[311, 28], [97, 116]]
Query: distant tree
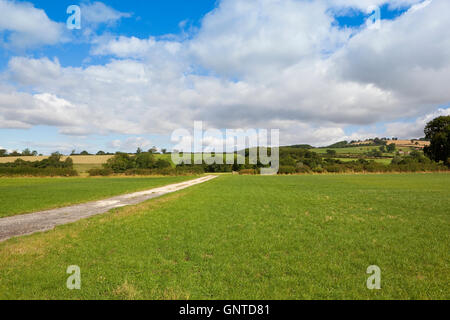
[[53, 160], [331, 153], [376, 153], [164, 151], [101, 153], [162, 163], [378, 141], [438, 132], [153, 150], [120, 162], [34, 153], [138, 151], [15, 153], [3, 152], [144, 160], [74, 152], [26, 152], [391, 147], [84, 153]]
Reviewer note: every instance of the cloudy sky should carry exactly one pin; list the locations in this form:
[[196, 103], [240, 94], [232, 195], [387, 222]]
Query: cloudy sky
[[320, 71]]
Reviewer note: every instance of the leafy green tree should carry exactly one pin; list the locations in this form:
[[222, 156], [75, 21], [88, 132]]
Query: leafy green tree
[[153, 150], [162, 163], [101, 153], [68, 163], [331, 153], [120, 162], [144, 160], [438, 132], [391, 148], [3, 152], [26, 152]]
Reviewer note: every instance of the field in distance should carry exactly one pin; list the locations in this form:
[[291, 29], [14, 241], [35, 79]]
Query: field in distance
[[87, 162], [250, 237]]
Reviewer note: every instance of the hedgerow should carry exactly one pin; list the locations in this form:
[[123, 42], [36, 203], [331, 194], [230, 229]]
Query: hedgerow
[[50, 167]]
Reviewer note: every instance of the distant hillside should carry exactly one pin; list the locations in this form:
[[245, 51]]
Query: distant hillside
[[301, 146], [340, 144]]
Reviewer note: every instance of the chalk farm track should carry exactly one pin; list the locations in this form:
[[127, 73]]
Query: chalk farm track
[[46, 220]]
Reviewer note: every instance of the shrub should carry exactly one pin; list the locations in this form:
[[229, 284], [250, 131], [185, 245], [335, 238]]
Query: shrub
[[161, 164], [120, 163], [287, 170], [52, 166], [248, 172], [100, 172], [189, 169], [144, 160], [303, 169]]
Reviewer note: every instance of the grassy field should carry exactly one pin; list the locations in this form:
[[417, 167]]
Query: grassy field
[[251, 237], [356, 150], [22, 195]]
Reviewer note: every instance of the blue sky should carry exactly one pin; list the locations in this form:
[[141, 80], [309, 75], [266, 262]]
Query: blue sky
[[137, 70]]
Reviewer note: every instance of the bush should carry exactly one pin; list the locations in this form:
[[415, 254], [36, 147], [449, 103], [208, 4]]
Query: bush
[[335, 168], [287, 170], [120, 163], [303, 169], [248, 172], [100, 172], [50, 167], [189, 169]]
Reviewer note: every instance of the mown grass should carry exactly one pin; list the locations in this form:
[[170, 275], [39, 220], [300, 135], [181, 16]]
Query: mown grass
[[251, 237], [23, 195]]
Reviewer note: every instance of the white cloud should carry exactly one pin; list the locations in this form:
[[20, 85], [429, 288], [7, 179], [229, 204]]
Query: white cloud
[[97, 13], [131, 144], [27, 26], [132, 47], [409, 57], [415, 129], [260, 64], [364, 4]]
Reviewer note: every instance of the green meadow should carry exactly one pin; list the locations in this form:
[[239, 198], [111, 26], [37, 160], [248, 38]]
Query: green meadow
[[249, 237], [23, 195]]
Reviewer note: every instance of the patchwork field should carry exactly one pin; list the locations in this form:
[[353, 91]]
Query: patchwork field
[[249, 237], [357, 150], [23, 195]]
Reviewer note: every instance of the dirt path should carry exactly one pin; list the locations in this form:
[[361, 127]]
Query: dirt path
[[46, 220]]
